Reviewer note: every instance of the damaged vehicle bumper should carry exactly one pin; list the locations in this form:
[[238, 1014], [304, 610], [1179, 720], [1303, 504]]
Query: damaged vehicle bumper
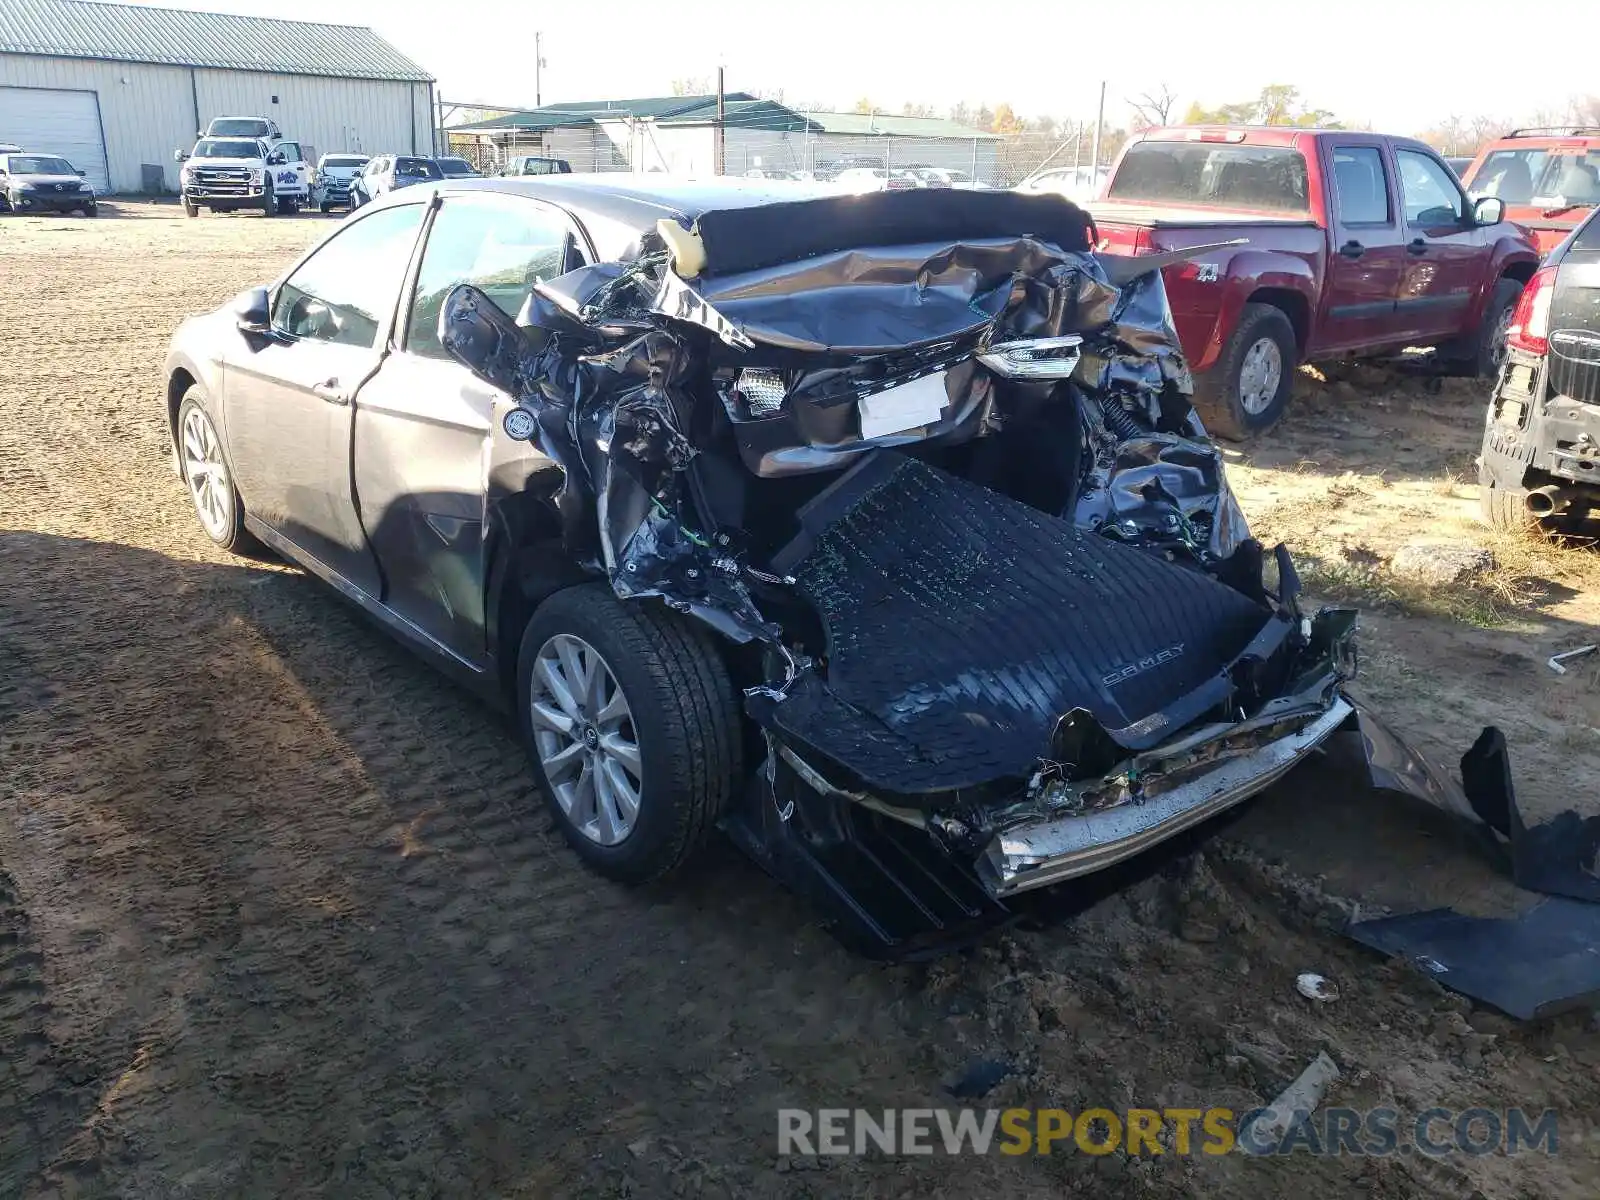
[[1041, 852]]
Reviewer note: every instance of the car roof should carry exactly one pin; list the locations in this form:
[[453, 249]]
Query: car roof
[[622, 199]]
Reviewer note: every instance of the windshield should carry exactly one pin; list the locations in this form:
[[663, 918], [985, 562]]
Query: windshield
[[1213, 175], [225, 148], [1539, 176], [417, 168], [344, 160], [251, 127], [39, 164]]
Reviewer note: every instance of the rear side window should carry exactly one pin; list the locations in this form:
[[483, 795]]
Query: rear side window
[[1588, 237], [417, 168], [1428, 189], [503, 246], [1217, 175], [1363, 192]]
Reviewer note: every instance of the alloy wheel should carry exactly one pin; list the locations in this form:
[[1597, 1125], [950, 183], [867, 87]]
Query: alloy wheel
[[1259, 376], [585, 739], [206, 473]]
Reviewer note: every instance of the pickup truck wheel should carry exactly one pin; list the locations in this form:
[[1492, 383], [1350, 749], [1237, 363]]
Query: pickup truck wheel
[[1505, 508], [1492, 332], [269, 203], [630, 722], [1248, 390]]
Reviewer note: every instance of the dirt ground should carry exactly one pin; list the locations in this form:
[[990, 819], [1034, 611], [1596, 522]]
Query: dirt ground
[[279, 914]]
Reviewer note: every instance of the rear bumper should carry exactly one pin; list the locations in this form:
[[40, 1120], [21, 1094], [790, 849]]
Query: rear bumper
[[1042, 852], [1530, 438]]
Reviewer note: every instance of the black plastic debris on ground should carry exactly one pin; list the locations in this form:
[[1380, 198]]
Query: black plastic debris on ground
[[1544, 962]]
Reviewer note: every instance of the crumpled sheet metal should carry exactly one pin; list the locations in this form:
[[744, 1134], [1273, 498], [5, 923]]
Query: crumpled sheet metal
[[1165, 484], [618, 385]]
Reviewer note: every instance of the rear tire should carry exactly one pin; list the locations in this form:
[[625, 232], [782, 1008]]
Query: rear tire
[[682, 723], [1248, 390], [1505, 508]]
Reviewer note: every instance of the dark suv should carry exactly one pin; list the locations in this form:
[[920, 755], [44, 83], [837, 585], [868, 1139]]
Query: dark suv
[[1541, 448]]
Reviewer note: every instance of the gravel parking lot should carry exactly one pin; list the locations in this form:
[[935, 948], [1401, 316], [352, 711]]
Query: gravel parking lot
[[279, 914]]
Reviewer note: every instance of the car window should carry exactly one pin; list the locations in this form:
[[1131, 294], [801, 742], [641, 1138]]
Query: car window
[[1428, 189], [1214, 174], [1572, 179], [290, 151], [1362, 190], [1588, 236], [503, 246], [343, 291], [1510, 175]]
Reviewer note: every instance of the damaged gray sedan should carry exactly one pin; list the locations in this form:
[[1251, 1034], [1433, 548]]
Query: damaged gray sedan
[[877, 531]]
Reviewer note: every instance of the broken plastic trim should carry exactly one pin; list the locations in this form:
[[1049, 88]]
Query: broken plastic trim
[[1036, 853], [1034, 358]]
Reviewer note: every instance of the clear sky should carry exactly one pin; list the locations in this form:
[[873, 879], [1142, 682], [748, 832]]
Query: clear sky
[[1400, 64]]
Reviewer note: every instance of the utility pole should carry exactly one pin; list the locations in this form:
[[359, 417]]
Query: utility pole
[[538, 66], [722, 114], [1099, 120]]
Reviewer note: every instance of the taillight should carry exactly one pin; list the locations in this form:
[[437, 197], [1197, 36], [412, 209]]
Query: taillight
[[1529, 330], [1143, 243]]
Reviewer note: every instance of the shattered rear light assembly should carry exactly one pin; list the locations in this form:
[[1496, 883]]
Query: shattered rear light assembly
[[1529, 330]]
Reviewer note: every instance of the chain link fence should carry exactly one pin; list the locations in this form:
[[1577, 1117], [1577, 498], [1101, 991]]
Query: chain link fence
[[986, 160]]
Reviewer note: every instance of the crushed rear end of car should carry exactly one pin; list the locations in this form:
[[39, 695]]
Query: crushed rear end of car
[[999, 620]]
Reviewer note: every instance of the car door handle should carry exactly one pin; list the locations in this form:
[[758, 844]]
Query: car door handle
[[1416, 246], [1352, 249], [330, 391]]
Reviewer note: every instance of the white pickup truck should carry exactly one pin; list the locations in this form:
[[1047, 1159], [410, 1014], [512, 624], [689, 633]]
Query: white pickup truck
[[228, 171]]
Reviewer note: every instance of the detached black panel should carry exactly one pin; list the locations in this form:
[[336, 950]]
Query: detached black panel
[[743, 239], [961, 625]]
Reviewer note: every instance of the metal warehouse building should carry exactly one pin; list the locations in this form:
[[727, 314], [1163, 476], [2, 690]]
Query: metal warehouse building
[[117, 88]]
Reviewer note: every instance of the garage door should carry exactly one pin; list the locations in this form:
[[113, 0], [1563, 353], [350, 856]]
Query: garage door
[[57, 122]]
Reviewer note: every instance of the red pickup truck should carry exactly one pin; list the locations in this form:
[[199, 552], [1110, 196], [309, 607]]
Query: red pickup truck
[[1353, 245]]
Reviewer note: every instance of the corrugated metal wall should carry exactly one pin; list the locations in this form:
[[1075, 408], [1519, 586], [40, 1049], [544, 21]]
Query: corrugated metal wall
[[360, 115], [146, 111], [149, 111]]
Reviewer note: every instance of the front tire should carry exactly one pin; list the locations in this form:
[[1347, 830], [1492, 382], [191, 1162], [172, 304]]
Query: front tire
[[632, 728], [269, 203], [1491, 340], [1248, 390], [207, 476]]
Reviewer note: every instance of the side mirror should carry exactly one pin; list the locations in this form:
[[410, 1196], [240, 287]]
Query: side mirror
[[479, 336], [179, 156], [1488, 210], [275, 159], [83, 174], [252, 311]]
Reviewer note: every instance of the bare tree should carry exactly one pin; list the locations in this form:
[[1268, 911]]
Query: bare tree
[[1151, 109]]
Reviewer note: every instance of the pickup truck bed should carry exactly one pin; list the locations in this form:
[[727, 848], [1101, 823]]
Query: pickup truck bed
[[1353, 245]]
